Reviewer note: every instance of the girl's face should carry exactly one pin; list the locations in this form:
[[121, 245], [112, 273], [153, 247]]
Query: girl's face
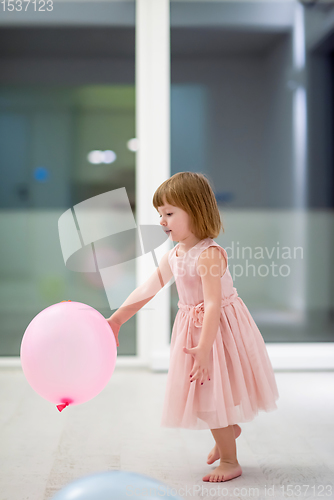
[[175, 222]]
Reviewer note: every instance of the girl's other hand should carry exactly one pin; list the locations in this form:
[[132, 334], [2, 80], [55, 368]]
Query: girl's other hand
[[115, 328], [201, 363]]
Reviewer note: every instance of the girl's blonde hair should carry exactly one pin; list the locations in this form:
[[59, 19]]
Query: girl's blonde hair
[[192, 192]]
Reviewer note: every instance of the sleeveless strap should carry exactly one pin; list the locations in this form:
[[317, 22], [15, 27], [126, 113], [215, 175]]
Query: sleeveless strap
[[213, 243]]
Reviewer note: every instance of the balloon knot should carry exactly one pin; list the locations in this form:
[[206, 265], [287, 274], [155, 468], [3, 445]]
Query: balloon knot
[[62, 406]]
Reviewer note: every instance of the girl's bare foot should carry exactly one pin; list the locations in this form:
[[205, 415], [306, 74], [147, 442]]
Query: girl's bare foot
[[224, 472], [214, 453]]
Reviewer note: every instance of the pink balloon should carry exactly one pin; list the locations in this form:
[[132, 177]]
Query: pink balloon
[[68, 353]]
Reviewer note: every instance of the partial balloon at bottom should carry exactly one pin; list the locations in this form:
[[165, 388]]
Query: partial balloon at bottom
[[118, 485]]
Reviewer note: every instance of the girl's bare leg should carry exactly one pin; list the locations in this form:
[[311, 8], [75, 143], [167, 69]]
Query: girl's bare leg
[[214, 453], [229, 467]]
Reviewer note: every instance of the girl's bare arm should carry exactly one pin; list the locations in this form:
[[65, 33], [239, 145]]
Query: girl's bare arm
[[144, 293], [210, 268]]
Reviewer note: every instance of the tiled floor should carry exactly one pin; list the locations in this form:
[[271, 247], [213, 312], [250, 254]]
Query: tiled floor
[[41, 450]]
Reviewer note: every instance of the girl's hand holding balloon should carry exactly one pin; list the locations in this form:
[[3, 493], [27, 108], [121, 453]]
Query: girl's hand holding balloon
[[201, 363], [115, 328]]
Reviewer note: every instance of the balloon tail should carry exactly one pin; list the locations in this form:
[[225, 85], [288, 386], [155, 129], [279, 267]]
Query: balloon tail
[[62, 406]]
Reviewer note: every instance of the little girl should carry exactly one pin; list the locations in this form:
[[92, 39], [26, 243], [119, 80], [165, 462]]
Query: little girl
[[220, 373]]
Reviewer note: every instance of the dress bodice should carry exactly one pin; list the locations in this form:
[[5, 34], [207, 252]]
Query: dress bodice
[[187, 278]]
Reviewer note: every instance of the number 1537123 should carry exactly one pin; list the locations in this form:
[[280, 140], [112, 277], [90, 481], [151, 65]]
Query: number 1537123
[[24, 5]]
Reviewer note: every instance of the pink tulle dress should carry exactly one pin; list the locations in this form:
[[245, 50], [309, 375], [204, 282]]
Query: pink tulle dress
[[242, 378]]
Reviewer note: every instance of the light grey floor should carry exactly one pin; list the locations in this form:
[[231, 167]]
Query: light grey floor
[[41, 450]]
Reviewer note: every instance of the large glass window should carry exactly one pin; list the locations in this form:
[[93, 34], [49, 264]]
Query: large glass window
[[246, 110], [67, 120]]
